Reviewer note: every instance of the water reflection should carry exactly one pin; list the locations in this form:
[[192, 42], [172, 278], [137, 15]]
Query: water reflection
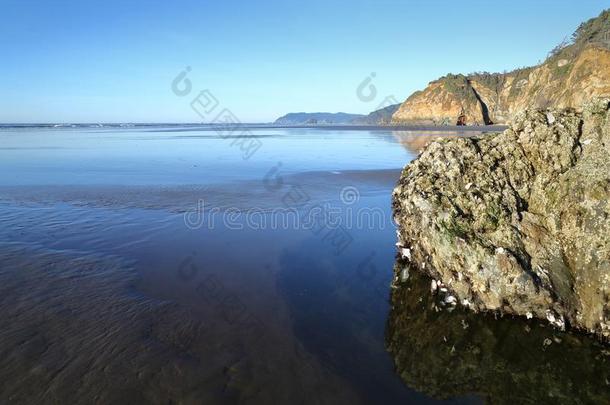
[[446, 354], [415, 141]]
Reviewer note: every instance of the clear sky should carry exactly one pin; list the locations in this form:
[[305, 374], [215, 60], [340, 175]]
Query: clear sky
[[114, 60]]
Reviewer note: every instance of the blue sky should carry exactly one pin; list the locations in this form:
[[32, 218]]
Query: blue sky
[[114, 61]]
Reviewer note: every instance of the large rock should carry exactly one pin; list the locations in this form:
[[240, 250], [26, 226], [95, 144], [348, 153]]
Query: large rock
[[517, 222]]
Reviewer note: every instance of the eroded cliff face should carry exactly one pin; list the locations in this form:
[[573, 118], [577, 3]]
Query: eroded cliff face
[[573, 75], [562, 83], [441, 103], [517, 222]]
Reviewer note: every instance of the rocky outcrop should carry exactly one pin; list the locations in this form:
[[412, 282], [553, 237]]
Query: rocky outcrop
[[573, 74], [517, 222], [442, 103]]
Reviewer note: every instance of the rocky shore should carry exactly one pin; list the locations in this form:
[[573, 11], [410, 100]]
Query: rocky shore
[[517, 222]]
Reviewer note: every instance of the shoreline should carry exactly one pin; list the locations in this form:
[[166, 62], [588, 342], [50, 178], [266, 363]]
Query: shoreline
[[204, 126]]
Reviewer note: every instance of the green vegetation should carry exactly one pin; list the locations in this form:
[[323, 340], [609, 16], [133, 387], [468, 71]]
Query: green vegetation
[[494, 214], [561, 71], [455, 229], [459, 86], [493, 81], [595, 31]]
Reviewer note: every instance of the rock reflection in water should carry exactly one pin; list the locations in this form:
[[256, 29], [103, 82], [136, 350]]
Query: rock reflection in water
[[446, 353], [415, 141]]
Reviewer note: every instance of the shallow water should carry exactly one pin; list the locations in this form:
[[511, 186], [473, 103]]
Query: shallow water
[[181, 264]]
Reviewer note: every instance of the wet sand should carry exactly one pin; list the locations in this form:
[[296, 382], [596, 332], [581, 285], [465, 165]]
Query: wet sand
[[262, 193], [109, 297], [74, 329]]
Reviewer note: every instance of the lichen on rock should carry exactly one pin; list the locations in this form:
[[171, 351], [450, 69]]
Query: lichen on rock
[[518, 222]]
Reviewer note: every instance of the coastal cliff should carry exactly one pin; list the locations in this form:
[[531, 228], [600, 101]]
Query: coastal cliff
[[516, 222], [574, 72]]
